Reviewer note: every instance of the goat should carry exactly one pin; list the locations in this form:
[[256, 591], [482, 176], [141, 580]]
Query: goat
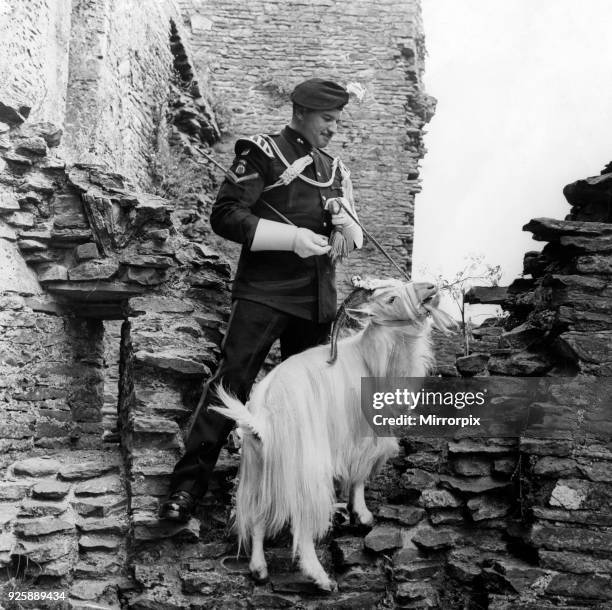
[[303, 426]]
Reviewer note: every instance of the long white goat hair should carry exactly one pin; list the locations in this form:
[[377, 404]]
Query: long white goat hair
[[303, 423]]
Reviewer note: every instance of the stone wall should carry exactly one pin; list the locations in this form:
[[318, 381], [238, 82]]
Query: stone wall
[[34, 41], [120, 74], [250, 60]]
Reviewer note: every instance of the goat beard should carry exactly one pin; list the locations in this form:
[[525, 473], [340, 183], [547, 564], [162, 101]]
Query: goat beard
[[440, 319]]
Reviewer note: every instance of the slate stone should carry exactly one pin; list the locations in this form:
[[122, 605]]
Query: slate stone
[[486, 507], [472, 466], [86, 470], [144, 276], [110, 484], [523, 364], [34, 145], [8, 203], [53, 273], [424, 460], [36, 467], [158, 304], [405, 515], [42, 527], [349, 551], [204, 582], [7, 232], [140, 260], [445, 516], [409, 564], [13, 491], [589, 587], [19, 160], [570, 537], [576, 563], [383, 538], [51, 548], [472, 485], [588, 244], [21, 220], [463, 564], [588, 347], [99, 543], [66, 238], [362, 579], [90, 589], [102, 269], [172, 361], [434, 539], [551, 229], [50, 490], [107, 525], [438, 498], [422, 594], [472, 364], [35, 508]]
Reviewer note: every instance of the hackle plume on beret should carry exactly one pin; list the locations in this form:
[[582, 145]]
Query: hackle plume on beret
[[320, 94]]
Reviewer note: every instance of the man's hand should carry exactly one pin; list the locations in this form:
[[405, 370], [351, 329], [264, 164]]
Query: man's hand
[[339, 217], [308, 243]]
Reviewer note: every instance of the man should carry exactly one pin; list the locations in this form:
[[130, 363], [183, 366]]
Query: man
[[280, 201]]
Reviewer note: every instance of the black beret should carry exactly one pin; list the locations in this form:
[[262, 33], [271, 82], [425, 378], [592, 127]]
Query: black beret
[[319, 94]]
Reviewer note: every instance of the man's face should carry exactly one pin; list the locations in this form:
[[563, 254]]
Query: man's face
[[317, 126]]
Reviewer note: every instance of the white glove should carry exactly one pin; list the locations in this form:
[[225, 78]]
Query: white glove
[[271, 235]]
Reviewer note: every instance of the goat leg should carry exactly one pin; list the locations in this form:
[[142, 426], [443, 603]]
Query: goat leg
[[258, 565], [311, 566], [358, 510]]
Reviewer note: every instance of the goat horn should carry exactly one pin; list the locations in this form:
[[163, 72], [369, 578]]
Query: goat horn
[[358, 296]]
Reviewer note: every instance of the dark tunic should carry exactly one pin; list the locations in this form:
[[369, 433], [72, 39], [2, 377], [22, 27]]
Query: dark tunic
[[303, 287]]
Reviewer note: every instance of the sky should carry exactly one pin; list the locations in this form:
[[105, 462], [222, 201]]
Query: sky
[[524, 90]]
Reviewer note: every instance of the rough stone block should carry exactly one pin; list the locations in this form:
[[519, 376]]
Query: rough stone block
[[42, 526], [486, 507], [438, 498], [87, 251], [86, 470], [8, 203], [383, 538], [50, 490], [472, 364], [404, 515], [53, 273], [99, 543], [110, 484], [102, 269], [36, 467], [34, 145]]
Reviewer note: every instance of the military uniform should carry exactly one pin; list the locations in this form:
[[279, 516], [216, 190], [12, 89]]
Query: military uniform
[[276, 293]]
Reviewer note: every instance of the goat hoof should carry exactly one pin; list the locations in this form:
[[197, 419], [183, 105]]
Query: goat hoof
[[260, 576], [329, 586], [362, 519]]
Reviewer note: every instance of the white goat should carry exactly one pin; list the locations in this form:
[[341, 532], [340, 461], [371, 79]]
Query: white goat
[[303, 426]]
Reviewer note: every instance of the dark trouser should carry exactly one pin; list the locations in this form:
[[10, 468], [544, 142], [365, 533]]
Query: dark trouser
[[252, 329]]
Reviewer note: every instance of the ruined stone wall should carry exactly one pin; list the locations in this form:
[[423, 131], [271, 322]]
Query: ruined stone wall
[[251, 58], [120, 71], [34, 41]]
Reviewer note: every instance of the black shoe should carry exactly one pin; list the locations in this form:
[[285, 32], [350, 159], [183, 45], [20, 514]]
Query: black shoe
[[177, 507]]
